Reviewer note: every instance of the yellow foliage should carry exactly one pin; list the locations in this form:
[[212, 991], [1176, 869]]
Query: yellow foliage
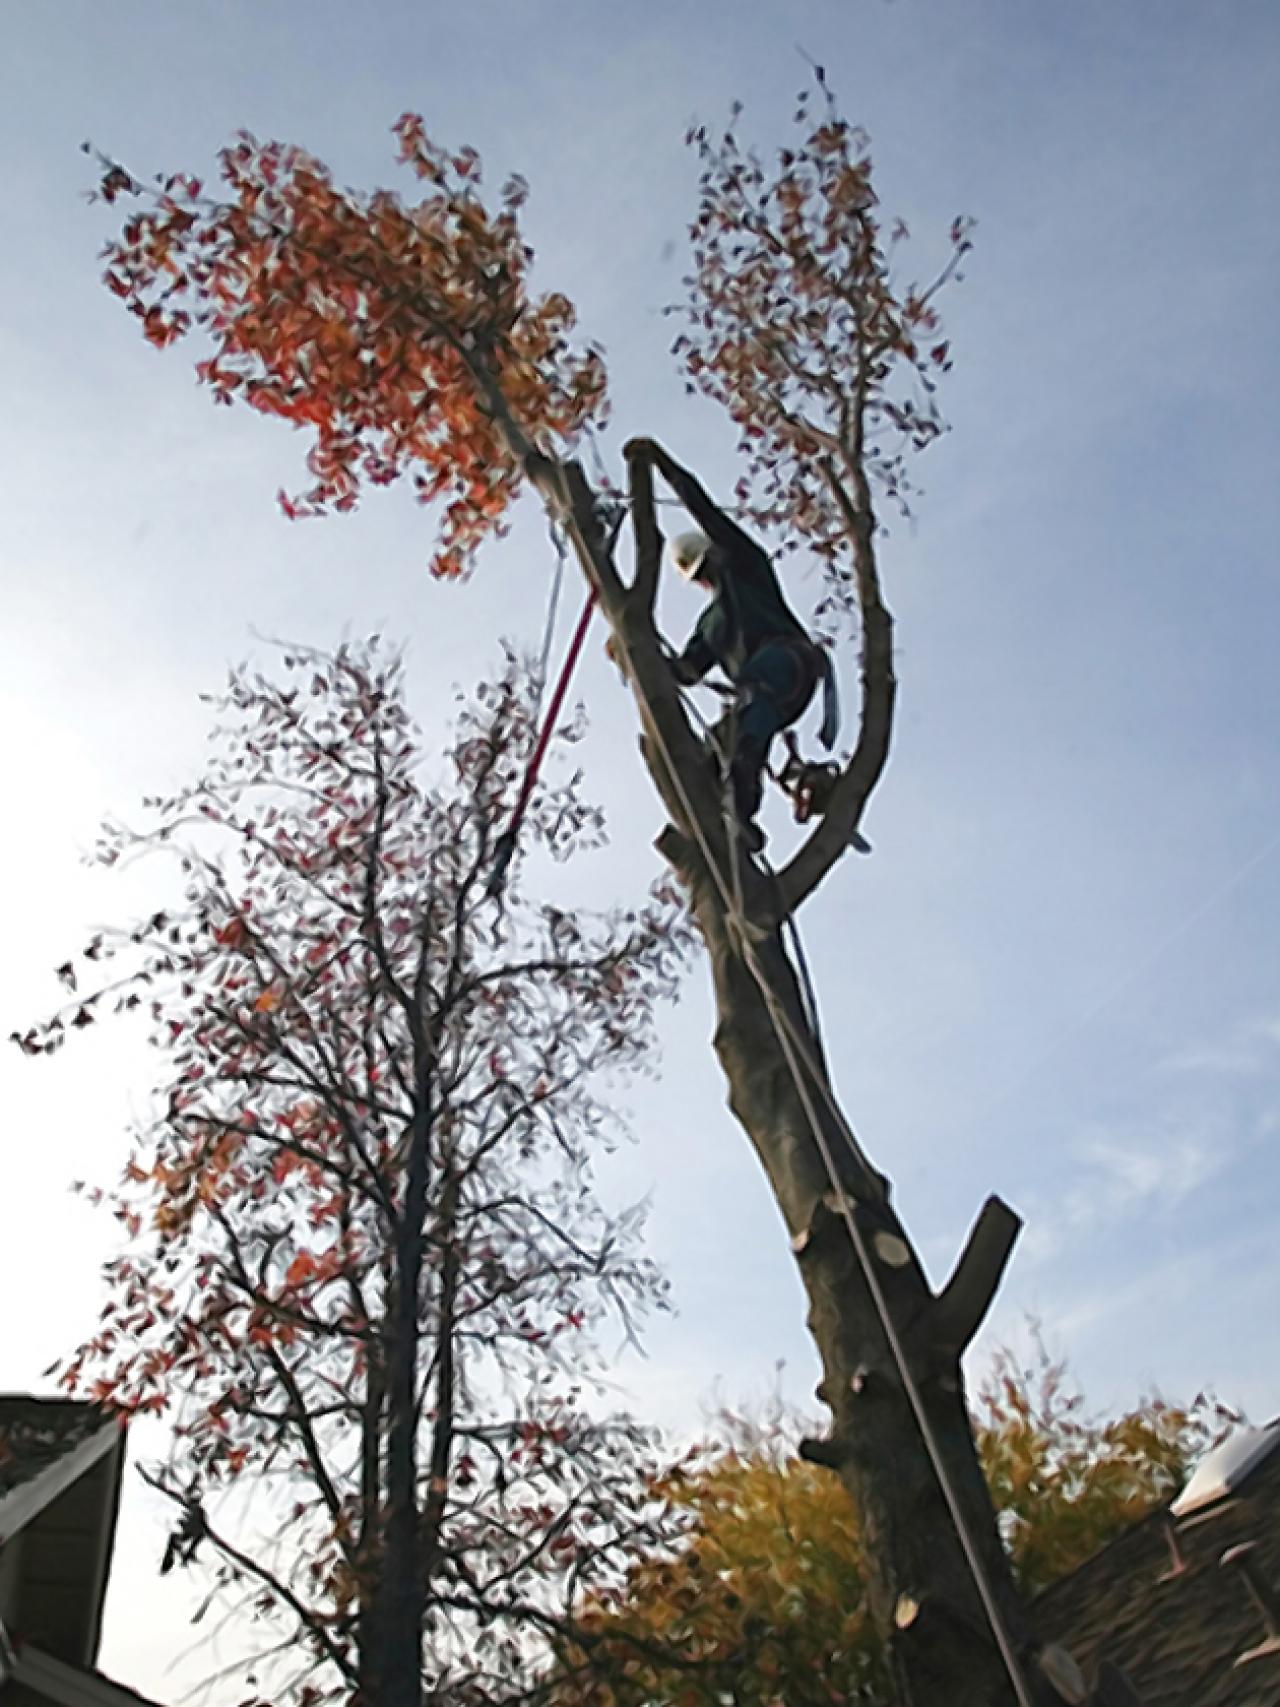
[[764, 1604], [765, 1599], [1064, 1482]]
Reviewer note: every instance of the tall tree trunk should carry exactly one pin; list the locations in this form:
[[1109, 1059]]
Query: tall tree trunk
[[939, 1586], [397, 1624], [922, 1590]]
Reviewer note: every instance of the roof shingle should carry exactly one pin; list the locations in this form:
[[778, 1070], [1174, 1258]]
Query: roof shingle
[[1178, 1633]]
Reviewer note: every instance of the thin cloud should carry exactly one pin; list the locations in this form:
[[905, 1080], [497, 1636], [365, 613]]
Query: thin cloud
[[1251, 1047]]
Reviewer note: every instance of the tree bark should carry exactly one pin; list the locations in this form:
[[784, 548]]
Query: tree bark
[[925, 1562], [921, 1587], [396, 1664]]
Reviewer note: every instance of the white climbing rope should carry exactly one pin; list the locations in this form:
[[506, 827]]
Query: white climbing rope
[[797, 1053]]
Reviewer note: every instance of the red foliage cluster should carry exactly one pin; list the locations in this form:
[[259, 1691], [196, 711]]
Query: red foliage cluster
[[366, 320]]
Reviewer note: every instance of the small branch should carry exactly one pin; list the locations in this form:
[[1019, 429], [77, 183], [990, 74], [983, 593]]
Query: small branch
[[578, 511], [304, 1425], [331, 1090], [561, 484], [309, 1619], [540, 468], [964, 1301], [827, 1453], [372, 923]]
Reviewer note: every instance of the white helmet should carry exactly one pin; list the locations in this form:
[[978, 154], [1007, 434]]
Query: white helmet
[[688, 551]]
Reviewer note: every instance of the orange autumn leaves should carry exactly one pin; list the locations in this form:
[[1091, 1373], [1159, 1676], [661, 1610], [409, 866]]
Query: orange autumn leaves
[[398, 332], [380, 326]]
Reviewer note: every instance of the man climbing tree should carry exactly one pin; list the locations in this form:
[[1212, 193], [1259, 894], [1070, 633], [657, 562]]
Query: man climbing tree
[[748, 631], [408, 339]]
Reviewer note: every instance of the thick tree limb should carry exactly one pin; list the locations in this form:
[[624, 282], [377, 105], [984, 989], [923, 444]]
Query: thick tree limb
[[964, 1301], [806, 870], [432, 1518], [562, 486], [578, 510], [657, 698]]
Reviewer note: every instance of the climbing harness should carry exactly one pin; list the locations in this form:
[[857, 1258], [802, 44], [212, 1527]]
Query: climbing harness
[[807, 783]]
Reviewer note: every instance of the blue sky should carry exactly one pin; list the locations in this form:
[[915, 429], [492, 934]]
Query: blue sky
[[1056, 978]]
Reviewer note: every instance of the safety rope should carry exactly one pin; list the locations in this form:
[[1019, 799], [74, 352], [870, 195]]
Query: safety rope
[[812, 1015], [797, 1053], [505, 847], [801, 1064], [553, 610]]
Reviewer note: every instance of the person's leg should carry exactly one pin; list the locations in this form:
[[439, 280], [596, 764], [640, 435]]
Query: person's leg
[[758, 723], [777, 684]]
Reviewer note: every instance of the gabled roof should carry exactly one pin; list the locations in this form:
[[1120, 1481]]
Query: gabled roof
[[1161, 1604], [60, 1468], [45, 1445], [35, 1433]]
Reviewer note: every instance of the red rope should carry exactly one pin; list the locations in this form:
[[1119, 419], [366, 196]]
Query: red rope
[[507, 841]]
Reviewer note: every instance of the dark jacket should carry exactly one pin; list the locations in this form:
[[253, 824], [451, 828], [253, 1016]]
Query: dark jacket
[[746, 608]]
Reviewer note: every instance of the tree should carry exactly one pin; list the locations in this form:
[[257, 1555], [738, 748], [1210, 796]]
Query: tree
[[407, 337], [366, 1269], [764, 1594], [765, 1590]]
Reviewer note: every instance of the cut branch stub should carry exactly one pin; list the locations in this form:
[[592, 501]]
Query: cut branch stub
[[826, 1453], [1059, 1668]]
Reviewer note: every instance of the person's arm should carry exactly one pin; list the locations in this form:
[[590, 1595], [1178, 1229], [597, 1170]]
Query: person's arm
[[718, 527], [694, 662]]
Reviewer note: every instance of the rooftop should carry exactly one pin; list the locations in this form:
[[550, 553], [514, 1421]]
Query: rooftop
[[1170, 1601], [35, 1433], [60, 1467]]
